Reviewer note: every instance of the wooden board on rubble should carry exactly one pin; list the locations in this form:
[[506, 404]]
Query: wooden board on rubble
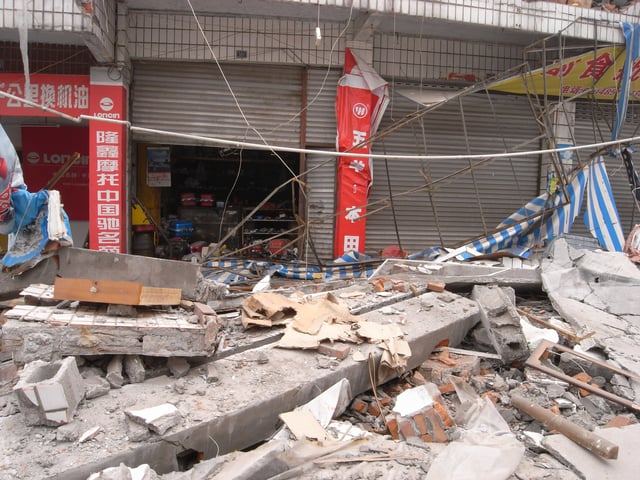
[[114, 292]]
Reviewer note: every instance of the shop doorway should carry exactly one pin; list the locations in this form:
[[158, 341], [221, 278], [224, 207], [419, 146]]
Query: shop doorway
[[206, 195]]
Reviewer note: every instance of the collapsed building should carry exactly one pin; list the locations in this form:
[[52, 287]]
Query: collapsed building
[[261, 356]]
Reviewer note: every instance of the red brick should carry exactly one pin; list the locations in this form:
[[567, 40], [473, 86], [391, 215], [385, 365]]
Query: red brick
[[436, 286], [392, 425], [439, 435], [421, 424], [337, 350], [373, 409], [427, 438], [447, 388], [359, 405], [405, 428], [443, 414]]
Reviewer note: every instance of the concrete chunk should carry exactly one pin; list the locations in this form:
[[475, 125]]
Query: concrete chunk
[[49, 394], [159, 418], [502, 322]]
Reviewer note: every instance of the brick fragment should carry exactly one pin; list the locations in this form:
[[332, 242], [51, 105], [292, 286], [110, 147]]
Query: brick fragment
[[359, 405], [436, 286], [421, 423], [337, 350], [392, 425], [619, 421]]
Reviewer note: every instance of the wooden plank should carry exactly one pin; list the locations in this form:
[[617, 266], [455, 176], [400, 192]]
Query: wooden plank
[[97, 291], [160, 296]]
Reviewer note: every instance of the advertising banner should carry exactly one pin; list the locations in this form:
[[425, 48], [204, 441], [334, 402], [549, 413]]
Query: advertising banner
[[45, 150], [107, 164], [68, 94], [601, 70], [362, 97]]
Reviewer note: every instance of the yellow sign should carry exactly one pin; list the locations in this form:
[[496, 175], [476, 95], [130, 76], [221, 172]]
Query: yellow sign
[[599, 71]]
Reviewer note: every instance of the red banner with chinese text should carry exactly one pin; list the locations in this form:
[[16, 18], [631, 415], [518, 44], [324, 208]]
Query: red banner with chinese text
[[68, 94], [362, 96], [107, 165], [45, 150]]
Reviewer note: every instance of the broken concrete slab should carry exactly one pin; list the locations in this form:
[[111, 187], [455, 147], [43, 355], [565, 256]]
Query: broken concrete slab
[[49, 393], [460, 276], [597, 291], [242, 407], [149, 271], [591, 467], [502, 322], [48, 333]]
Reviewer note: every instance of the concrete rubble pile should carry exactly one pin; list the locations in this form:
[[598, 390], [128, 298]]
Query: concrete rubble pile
[[424, 370]]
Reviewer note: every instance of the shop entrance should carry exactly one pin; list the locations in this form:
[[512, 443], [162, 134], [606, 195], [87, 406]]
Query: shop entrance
[[203, 194]]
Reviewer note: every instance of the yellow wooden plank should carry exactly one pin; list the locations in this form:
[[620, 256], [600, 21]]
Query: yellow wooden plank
[[160, 296], [97, 291]]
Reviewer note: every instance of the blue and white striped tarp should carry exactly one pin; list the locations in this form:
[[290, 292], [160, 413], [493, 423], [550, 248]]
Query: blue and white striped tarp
[[344, 267], [601, 216]]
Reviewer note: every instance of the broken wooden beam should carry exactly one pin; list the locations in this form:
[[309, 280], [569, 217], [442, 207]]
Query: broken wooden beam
[[116, 292]]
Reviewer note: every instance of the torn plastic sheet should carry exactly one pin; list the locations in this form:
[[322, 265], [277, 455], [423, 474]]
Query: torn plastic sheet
[[36, 223]]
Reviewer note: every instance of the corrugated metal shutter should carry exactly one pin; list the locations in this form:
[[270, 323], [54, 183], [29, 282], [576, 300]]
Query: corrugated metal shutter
[[321, 131], [503, 185], [321, 205], [321, 114], [593, 125], [193, 98]]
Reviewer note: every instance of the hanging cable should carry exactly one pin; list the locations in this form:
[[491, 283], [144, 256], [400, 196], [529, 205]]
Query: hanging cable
[[393, 206]]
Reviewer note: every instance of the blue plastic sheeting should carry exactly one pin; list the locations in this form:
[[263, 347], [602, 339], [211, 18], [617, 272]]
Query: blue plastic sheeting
[[24, 215], [233, 271]]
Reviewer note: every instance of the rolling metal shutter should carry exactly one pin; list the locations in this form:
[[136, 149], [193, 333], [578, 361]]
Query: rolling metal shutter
[[193, 98], [321, 132], [503, 185]]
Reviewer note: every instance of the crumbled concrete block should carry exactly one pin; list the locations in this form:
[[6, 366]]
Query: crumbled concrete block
[[95, 386], [134, 368], [137, 433], [114, 372], [49, 393], [159, 418], [500, 318], [67, 433], [212, 373], [178, 366]]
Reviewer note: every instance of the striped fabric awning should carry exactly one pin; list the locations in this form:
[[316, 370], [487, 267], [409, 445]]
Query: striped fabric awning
[[550, 215]]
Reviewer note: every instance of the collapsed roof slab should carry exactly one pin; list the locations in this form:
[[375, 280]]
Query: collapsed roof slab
[[460, 276], [237, 411], [48, 333]]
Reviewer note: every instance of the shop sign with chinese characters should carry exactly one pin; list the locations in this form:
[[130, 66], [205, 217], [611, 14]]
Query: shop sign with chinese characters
[[68, 94], [107, 147]]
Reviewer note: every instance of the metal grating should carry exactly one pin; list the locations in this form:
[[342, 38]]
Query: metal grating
[[166, 36]]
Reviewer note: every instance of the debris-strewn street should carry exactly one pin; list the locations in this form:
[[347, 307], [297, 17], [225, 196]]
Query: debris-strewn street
[[422, 370]]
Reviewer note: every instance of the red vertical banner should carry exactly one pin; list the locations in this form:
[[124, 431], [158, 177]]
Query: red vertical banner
[[362, 97], [107, 163]]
